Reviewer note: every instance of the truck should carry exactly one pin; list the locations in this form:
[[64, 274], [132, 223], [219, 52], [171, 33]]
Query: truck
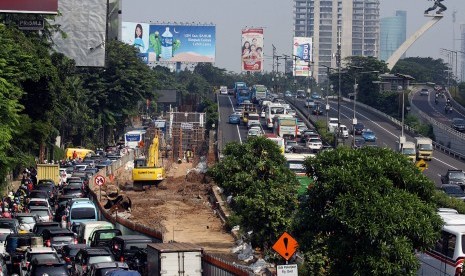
[[409, 150], [258, 93], [424, 147], [148, 171], [295, 162], [243, 95], [48, 171], [175, 258], [239, 85]]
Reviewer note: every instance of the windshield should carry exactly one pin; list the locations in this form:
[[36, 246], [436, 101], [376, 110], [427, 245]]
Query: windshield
[[40, 213], [425, 147], [243, 93], [456, 175], [26, 219], [63, 239], [83, 213], [456, 190], [408, 151], [100, 259], [296, 166]]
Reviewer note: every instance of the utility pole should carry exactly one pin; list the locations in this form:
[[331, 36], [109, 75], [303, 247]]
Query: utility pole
[[285, 57], [338, 63]]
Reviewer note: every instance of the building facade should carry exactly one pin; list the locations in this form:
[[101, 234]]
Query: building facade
[[354, 22], [462, 49], [393, 34]]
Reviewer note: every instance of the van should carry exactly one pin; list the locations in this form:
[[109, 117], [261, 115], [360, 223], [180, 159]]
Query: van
[[446, 257], [81, 152], [82, 211], [88, 227]]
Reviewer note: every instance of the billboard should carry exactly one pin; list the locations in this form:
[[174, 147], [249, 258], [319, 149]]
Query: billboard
[[29, 6], [302, 50], [172, 43], [84, 23], [252, 50]]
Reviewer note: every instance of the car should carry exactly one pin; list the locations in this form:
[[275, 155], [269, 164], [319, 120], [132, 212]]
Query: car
[[316, 96], [38, 194], [234, 119], [38, 202], [369, 135], [301, 129], [301, 94], [100, 269], [44, 213], [88, 256], [73, 191], [357, 129], [27, 221], [344, 131], [14, 256], [424, 92], [9, 223], [254, 125], [3, 235], [458, 124], [68, 252], [314, 144], [38, 253], [289, 145], [310, 103], [359, 142], [291, 112], [288, 94], [126, 247], [254, 132], [317, 110], [307, 134], [41, 226], [454, 177], [453, 190], [57, 238], [103, 237], [48, 267]]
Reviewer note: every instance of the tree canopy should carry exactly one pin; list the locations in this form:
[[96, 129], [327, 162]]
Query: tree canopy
[[264, 190], [366, 214]]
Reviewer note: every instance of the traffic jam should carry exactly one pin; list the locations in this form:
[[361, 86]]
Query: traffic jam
[[51, 227]]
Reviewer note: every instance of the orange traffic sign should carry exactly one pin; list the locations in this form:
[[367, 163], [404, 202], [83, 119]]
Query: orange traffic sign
[[286, 246]]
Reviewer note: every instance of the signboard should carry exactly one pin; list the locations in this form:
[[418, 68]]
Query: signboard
[[99, 180], [421, 165], [187, 125], [285, 246], [31, 25], [302, 49], [287, 270], [171, 43], [29, 6], [252, 50]]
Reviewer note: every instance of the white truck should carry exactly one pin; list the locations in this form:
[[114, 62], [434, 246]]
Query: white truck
[[424, 147], [332, 124], [174, 259], [408, 149]]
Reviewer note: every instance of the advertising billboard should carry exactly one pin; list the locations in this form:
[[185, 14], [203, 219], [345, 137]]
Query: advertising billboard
[[137, 35], [302, 50], [29, 6], [172, 43], [252, 50]]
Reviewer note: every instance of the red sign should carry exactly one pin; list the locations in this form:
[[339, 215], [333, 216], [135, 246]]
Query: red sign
[[29, 6], [99, 180], [286, 246]]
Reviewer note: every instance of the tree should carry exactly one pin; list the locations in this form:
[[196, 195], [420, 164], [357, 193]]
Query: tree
[[423, 69], [264, 190], [371, 208]]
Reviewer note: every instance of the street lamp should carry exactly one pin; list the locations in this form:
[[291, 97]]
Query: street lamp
[[407, 79]]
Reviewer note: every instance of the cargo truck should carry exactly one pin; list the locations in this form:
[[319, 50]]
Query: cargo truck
[[408, 149], [48, 171], [424, 147], [174, 259]]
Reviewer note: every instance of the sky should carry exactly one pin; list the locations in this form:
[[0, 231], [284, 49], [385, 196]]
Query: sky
[[276, 17]]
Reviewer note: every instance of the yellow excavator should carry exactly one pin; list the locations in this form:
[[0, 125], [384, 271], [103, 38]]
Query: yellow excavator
[[148, 171]]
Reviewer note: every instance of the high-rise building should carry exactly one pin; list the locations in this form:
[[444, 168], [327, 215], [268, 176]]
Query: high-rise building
[[357, 22], [393, 34], [462, 54]]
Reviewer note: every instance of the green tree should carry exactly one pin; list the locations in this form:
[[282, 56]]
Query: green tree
[[264, 190], [423, 69], [370, 208]]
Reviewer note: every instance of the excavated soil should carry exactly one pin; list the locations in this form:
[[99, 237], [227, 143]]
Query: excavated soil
[[179, 208]]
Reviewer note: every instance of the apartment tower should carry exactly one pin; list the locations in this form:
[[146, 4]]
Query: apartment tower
[[356, 21], [393, 34]]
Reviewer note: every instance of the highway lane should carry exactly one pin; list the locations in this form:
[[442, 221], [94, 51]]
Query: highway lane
[[228, 132], [387, 136], [436, 111]]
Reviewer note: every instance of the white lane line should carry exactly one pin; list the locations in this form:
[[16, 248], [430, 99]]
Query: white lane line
[[237, 126], [435, 158]]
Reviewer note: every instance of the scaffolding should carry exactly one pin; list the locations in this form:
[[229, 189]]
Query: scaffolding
[[185, 131]]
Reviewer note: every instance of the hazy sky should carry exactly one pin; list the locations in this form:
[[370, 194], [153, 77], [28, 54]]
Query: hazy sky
[[276, 16]]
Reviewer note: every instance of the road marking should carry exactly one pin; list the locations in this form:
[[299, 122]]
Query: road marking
[[452, 167], [237, 126]]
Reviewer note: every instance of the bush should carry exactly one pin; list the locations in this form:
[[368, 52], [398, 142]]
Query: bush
[[322, 128], [444, 201]]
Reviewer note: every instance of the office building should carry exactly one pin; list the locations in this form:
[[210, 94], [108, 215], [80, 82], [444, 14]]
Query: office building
[[357, 22], [393, 34], [462, 54]]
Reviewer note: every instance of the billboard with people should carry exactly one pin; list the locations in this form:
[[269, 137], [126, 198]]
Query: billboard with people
[[171, 43], [302, 51], [29, 6], [252, 50]]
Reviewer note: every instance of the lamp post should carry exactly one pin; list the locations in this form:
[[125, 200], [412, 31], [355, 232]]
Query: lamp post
[[405, 81]]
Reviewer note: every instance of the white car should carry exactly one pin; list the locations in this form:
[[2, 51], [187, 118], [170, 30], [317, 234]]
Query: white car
[[314, 144], [300, 129], [254, 131], [309, 103], [291, 112], [344, 131]]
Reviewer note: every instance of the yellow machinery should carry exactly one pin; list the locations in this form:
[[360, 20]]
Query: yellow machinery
[[148, 171]]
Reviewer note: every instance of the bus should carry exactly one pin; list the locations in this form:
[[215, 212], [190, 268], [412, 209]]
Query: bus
[[239, 85], [133, 138], [285, 126], [295, 162], [242, 95], [258, 92], [271, 111]]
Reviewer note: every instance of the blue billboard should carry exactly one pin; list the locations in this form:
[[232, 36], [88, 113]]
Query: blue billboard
[[181, 43]]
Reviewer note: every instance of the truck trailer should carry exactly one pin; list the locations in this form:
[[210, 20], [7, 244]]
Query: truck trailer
[[424, 148], [174, 259]]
